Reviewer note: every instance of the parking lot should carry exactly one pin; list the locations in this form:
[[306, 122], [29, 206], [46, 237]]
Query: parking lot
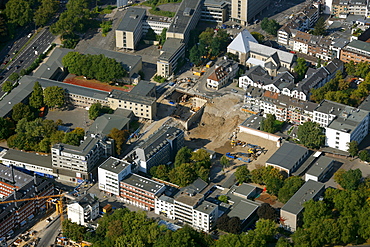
[[68, 116]]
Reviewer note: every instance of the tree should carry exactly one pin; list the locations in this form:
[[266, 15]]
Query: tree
[[7, 86], [364, 155], [18, 12], [265, 211], [119, 137], [352, 148], [194, 55], [268, 124], [242, 174], [3, 28], [37, 96], [225, 162], [283, 242], [301, 68], [72, 230], [259, 37], [273, 185], [160, 172], [54, 96], [319, 28], [270, 26], [311, 135], [183, 156], [183, 174], [349, 180], [290, 187], [20, 111], [45, 11], [14, 77], [5, 128], [227, 224], [223, 198], [94, 111], [162, 37]]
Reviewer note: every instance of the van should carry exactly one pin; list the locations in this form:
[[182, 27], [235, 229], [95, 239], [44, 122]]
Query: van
[[29, 35]]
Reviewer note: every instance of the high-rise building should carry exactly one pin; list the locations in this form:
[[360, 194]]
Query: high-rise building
[[244, 11]]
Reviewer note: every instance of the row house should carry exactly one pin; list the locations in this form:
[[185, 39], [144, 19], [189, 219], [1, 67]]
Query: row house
[[312, 45]]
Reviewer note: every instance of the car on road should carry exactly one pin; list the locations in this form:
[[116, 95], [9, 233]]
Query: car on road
[[17, 67], [5, 62], [20, 61], [9, 68], [234, 91]]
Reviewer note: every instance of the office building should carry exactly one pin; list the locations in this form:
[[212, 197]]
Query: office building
[[110, 173], [356, 51], [170, 54], [215, 11], [129, 30], [245, 11]]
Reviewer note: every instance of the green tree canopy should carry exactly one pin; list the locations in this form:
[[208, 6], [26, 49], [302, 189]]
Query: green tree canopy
[[265, 211], [311, 135], [119, 137], [18, 12], [7, 86], [320, 27], [20, 111], [268, 124], [259, 37], [364, 155], [349, 180], [37, 96], [290, 187], [160, 172], [183, 156], [46, 11], [14, 76], [352, 148], [270, 26], [6, 126], [301, 68], [54, 96], [94, 111], [242, 174], [223, 198], [225, 162]]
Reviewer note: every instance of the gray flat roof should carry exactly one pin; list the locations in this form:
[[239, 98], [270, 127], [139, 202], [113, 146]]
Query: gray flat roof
[[83, 149], [244, 189], [17, 95], [243, 209], [287, 155], [143, 183], [72, 89], [361, 45], [114, 165], [320, 165], [29, 158], [132, 97], [206, 207], [128, 61], [307, 192], [254, 122], [131, 19], [170, 47], [143, 88], [182, 19], [158, 137], [105, 123], [183, 197]]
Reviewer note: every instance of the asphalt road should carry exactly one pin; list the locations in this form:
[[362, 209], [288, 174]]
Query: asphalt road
[[27, 56], [49, 234]]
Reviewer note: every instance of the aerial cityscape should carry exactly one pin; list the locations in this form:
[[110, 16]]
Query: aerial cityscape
[[184, 123]]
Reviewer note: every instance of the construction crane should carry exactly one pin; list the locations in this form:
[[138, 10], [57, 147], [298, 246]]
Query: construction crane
[[58, 204]]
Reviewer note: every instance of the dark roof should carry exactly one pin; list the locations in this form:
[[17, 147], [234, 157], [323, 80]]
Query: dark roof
[[169, 48], [287, 155], [114, 165], [206, 207], [83, 149], [47, 69], [30, 158], [244, 189], [307, 192], [131, 19], [143, 88], [105, 123], [319, 166], [86, 200], [157, 138], [132, 97], [243, 209], [20, 178], [183, 16], [254, 122], [143, 183]]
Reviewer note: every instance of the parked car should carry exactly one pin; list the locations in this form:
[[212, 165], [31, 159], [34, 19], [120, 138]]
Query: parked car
[[234, 91]]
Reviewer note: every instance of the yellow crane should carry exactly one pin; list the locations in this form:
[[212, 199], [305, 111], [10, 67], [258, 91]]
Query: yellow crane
[[58, 204]]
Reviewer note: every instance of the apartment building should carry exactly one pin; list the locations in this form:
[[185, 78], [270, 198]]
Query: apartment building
[[244, 12], [342, 123], [172, 51], [300, 43], [288, 158], [110, 174], [129, 30], [215, 11], [185, 19], [158, 149], [76, 163], [354, 7], [291, 214], [83, 210], [224, 72], [356, 51], [140, 191], [17, 185]]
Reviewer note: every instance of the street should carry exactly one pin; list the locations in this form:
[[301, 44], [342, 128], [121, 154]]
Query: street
[[48, 235]]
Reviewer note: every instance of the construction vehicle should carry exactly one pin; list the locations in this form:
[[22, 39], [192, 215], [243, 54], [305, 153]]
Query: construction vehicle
[[107, 209], [198, 73]]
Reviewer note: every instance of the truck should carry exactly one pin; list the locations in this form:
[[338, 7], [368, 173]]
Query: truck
[[107, 208], [198, 73]]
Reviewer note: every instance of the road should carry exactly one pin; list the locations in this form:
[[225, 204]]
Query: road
[[47, 237], [28, 55]]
